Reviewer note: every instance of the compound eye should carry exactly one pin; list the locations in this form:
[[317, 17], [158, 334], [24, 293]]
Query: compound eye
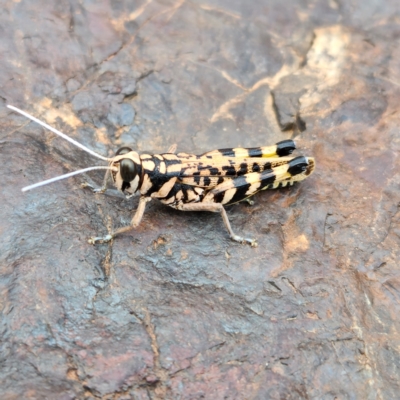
[[128, 170], [123, 150]]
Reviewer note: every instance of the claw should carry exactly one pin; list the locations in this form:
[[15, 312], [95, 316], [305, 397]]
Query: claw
[[93, 189], [100, 239], [251, 242], [99, 190], [239, 239], [249, 201]]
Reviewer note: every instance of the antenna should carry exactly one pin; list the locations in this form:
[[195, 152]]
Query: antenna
[[63, 135], [58, 178]]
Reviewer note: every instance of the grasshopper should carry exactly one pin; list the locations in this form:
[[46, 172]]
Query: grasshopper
[[189, 182]]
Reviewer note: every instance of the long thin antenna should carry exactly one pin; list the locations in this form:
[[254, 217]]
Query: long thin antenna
[[58, 178], [63, 135]]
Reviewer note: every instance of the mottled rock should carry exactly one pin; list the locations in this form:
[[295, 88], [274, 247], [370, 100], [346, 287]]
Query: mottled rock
[[175, 309]]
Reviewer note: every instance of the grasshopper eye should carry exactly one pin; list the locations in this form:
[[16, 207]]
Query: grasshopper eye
[[128, 170], [123, 150]]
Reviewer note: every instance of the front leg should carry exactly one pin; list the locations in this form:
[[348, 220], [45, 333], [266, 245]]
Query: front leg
[[217, 207], [134, 223], [101, 189]]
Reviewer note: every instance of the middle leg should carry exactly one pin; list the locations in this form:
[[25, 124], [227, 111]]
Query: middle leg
[[134, 223]]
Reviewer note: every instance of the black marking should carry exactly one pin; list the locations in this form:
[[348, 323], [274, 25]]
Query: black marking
[[125, 185], [206, 167], [214, 171], [199, 196], [255, 152], [227, 152], [174, 190], [169, 163], [157, 179], [197, 177], [185, 194], [243, 169], [297, 165], [285, 147], [267, 165], [282, 184], [242, 186], [185, 190], [207, 181], [219, 197], [230, 170], [256, 167], [267, 178], [220, 180]]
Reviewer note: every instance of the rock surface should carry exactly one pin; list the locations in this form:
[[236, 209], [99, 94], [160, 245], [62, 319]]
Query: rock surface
[[175, 309]]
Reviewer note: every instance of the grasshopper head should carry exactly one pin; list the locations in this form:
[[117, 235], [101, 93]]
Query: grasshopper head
[[128, 175]]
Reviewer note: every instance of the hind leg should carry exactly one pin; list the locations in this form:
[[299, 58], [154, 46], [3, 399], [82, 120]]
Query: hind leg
[[218, 207]]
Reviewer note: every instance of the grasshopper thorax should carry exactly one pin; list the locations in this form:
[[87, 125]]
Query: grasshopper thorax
[[128, 175]]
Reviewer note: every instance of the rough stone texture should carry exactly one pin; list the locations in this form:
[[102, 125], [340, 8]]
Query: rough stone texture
[[176, 310]]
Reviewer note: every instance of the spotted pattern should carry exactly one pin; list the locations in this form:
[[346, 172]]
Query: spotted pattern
[[207, 182], [280, 149], [183, 194], [221, 176], [160, 173]]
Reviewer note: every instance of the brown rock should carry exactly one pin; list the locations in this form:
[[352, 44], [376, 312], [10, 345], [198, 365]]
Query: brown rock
[[175, 309]]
